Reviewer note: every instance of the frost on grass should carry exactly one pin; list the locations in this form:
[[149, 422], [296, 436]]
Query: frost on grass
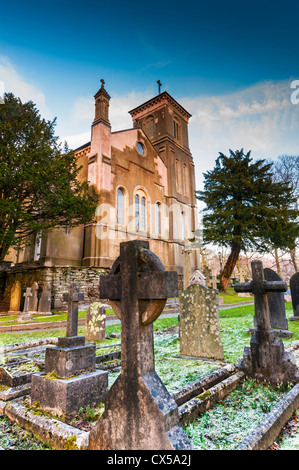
[[224, 426]]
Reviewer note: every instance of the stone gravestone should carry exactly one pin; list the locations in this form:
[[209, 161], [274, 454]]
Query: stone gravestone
[[199, 323], [95, 322], [294, 286], [15, 298], [25, 315], [278, 319], [44, 305], [266, 359], [69, 380], [33, 301], [139, 412]]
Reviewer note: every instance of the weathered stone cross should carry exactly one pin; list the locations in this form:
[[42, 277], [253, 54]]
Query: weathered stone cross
[[73, 298], [139, 411], [260, 287], [27, 296], [266, 358]]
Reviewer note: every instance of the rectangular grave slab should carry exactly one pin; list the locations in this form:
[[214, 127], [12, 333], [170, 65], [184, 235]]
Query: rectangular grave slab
[[63, 397]]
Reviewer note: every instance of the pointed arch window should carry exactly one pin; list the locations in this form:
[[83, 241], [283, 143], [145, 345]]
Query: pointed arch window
[[140, 211], [158, 218], [182, 225], [120, 206]]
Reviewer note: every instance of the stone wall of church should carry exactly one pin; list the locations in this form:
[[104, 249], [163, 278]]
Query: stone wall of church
[[59, 279]]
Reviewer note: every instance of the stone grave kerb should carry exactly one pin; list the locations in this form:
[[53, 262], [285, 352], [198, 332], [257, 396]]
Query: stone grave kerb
[[139, 412], [266, 359]]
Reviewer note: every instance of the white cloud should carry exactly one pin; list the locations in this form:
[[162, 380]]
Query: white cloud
[[259, 118], [13, 82]]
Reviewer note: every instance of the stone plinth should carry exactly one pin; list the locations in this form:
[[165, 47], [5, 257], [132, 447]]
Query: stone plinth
[[69, 361], [63, 397], [199, 323]]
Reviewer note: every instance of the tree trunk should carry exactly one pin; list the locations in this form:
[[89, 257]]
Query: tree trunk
[[294, 260], [277, 262], [229, 266]]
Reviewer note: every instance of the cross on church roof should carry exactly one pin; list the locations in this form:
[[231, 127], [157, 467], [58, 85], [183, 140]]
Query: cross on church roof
[[159, 85], [103, 82]]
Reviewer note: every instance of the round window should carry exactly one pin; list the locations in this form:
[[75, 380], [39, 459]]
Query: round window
[[140, 148]]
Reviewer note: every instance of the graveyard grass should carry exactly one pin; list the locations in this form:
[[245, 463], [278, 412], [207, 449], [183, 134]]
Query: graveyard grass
[[226, 424]]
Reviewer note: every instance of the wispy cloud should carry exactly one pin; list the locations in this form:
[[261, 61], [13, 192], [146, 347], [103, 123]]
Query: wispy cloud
[[260, 118], [12, 81]]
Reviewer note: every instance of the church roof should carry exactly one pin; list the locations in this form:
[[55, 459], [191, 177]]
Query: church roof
[[162, 96]]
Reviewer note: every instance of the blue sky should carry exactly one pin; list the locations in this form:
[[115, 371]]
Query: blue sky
[[230, 64]]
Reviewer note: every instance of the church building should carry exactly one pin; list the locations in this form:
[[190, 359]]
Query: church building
[[146, 182]]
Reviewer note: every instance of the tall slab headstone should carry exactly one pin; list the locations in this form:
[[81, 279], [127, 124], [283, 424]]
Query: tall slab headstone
[[33, 301], [276, 302], [266, 359], [294, 286], [139, 412], [199, 323], [44, 305], [95, 322], [15, 298]]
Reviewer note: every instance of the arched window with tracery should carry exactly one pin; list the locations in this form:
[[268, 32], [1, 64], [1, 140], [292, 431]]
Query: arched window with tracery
[[158, 218], [140, 211]]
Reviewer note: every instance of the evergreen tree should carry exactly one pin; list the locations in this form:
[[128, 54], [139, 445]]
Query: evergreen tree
[[245, 209], [39, 183]]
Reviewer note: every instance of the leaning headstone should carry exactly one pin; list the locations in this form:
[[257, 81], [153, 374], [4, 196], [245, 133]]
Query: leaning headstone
[[278, 319], [199, 323], [25, 315], [44, 305], [266, 359], [69, 381], [139, 413], [95, 322], [33, 301], [15, 298], [294, 286]]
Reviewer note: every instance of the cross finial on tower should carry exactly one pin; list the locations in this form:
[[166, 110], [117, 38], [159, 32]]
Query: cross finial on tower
[[159, 85], [103, 82]]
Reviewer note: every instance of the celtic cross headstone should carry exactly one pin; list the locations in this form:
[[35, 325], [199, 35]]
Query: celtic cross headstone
[[139, 412], [266, 359]]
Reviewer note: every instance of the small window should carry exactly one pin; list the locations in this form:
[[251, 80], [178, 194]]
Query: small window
[[140, 148], [140, 211]]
